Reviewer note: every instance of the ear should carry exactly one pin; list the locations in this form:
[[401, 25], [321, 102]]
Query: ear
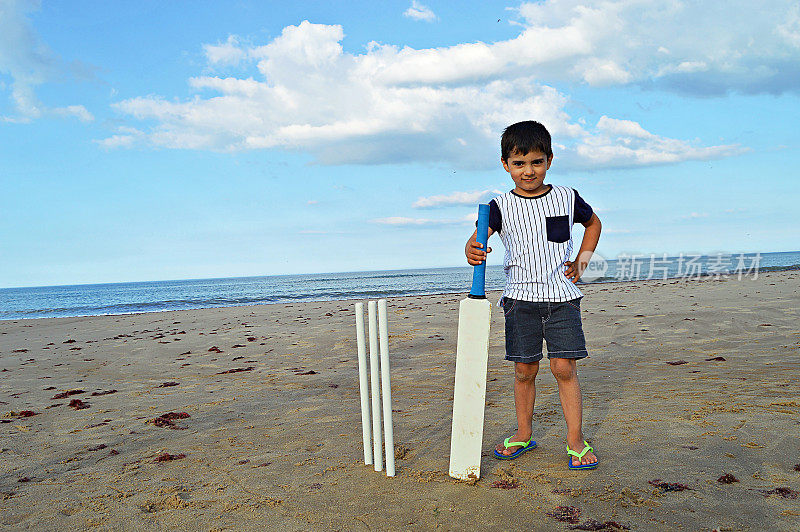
[[505, 164], [549, 162]]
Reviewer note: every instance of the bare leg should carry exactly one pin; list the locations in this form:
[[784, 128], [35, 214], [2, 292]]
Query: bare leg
[[524, 398], [565, 371]]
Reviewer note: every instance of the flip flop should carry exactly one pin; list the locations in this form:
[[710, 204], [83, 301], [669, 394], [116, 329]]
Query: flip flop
[[523, 447], [585, 450]]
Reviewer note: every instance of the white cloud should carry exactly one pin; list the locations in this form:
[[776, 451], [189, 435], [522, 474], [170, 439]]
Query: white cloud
[[790, 29], [455, 198], [340, 113], [389, 104], [125, 137], [602, 73], [624, 143], [418, 11], [30, 63], [683, 67], [117, 141], [228, 53], [78, 111], [698, 47], [626, 128]]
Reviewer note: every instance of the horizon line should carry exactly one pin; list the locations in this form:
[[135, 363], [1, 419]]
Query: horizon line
[[361, 271]]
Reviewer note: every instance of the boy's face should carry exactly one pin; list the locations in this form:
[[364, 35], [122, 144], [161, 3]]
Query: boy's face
[[528, 172]]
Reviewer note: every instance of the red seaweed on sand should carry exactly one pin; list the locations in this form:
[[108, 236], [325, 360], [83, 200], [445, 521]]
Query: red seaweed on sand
[[506, 484], [77, 404], [103, 393], [166, 457], [591, 524], [786, 493], [668, 486], [565, 514], [64, 395], [168, 420], [236, 370]]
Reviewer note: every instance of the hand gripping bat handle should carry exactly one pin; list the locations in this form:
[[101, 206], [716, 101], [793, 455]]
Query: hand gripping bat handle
[[478, 290]]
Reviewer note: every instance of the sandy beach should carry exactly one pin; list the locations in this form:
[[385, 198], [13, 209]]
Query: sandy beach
[[247, 418]]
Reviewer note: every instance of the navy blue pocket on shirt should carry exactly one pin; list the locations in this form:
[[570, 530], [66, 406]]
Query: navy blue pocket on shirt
[[557, 228]]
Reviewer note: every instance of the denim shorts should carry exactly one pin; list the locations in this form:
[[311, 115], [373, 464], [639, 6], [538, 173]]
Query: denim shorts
[[528, 323]]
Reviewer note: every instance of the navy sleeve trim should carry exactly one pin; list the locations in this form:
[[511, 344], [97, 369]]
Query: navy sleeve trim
[[582, 210], [495, 218]]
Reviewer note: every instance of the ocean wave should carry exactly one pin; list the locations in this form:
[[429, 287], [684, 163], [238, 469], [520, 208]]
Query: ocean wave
[[130, 308], [779, 268], [391, 276]]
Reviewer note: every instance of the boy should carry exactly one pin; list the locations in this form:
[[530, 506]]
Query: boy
[[540, 300]]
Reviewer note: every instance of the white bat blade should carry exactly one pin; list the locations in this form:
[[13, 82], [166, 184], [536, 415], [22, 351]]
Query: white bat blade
[[469, 395]]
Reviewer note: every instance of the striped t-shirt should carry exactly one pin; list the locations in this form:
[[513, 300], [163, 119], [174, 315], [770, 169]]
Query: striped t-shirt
[[537, 235]]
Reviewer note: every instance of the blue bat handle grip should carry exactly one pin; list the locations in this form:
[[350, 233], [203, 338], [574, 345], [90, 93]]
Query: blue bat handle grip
[[478, 290]]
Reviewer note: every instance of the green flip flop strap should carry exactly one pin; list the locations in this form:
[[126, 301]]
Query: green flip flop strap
[[585, 450], [515, 443]]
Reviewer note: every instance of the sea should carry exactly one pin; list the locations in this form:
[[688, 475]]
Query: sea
[[154, 296]]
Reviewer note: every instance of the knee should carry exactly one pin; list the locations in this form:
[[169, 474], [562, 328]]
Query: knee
[[563, 369], [524, 377], [525, 372]]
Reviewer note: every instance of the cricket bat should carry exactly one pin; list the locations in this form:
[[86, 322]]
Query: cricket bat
[[472, 357]]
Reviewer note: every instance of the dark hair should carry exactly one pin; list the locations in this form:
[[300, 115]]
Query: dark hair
[[525, 137]]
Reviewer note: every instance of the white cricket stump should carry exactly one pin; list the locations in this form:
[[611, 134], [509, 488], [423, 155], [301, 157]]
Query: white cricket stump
[[363, 385], [374, 371], [386, 388], [379, 368]]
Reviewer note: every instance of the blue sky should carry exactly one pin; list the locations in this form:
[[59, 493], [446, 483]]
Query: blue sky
[[153, 140]]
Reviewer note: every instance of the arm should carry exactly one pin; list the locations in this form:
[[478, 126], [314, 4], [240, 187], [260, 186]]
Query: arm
[[590, 237], [476, 255]]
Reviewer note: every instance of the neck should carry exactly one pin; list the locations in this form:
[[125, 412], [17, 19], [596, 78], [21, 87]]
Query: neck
[[544, 189]]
